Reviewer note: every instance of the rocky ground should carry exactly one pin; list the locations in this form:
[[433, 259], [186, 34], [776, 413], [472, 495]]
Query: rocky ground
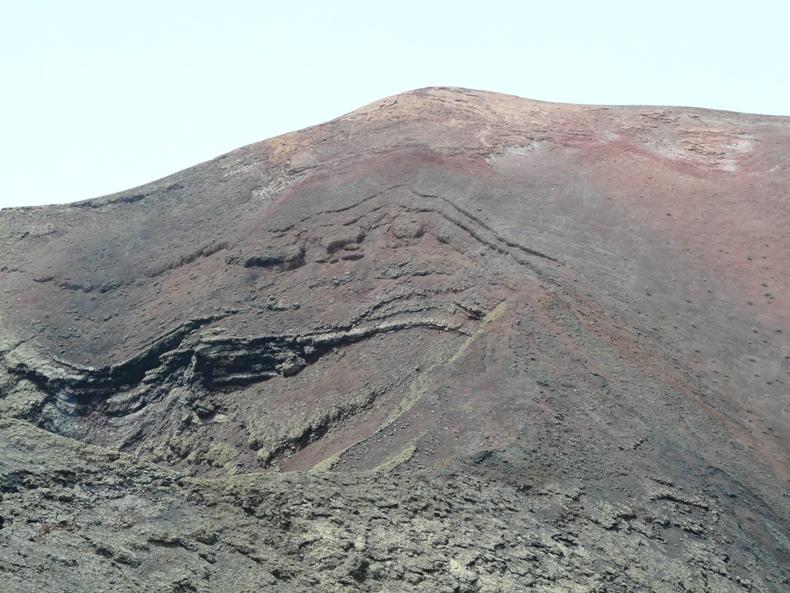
[[83, 518], [452, 341]]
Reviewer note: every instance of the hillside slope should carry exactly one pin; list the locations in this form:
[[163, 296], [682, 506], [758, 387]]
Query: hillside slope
[[500, 343]]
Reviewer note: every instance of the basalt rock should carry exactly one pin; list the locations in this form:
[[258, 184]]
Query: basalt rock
[[452, 341]]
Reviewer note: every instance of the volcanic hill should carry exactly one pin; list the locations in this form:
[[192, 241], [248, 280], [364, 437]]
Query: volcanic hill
[[453, 341]]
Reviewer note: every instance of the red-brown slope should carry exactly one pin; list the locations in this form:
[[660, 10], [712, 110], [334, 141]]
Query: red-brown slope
[[589, 295]]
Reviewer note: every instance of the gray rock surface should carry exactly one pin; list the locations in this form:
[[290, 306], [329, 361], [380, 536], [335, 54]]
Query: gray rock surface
[[82, 518]]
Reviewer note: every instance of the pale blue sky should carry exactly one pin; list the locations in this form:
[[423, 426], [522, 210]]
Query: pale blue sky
[[101, 96]]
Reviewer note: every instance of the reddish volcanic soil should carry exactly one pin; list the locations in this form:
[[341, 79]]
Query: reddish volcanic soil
[[442, 281]]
